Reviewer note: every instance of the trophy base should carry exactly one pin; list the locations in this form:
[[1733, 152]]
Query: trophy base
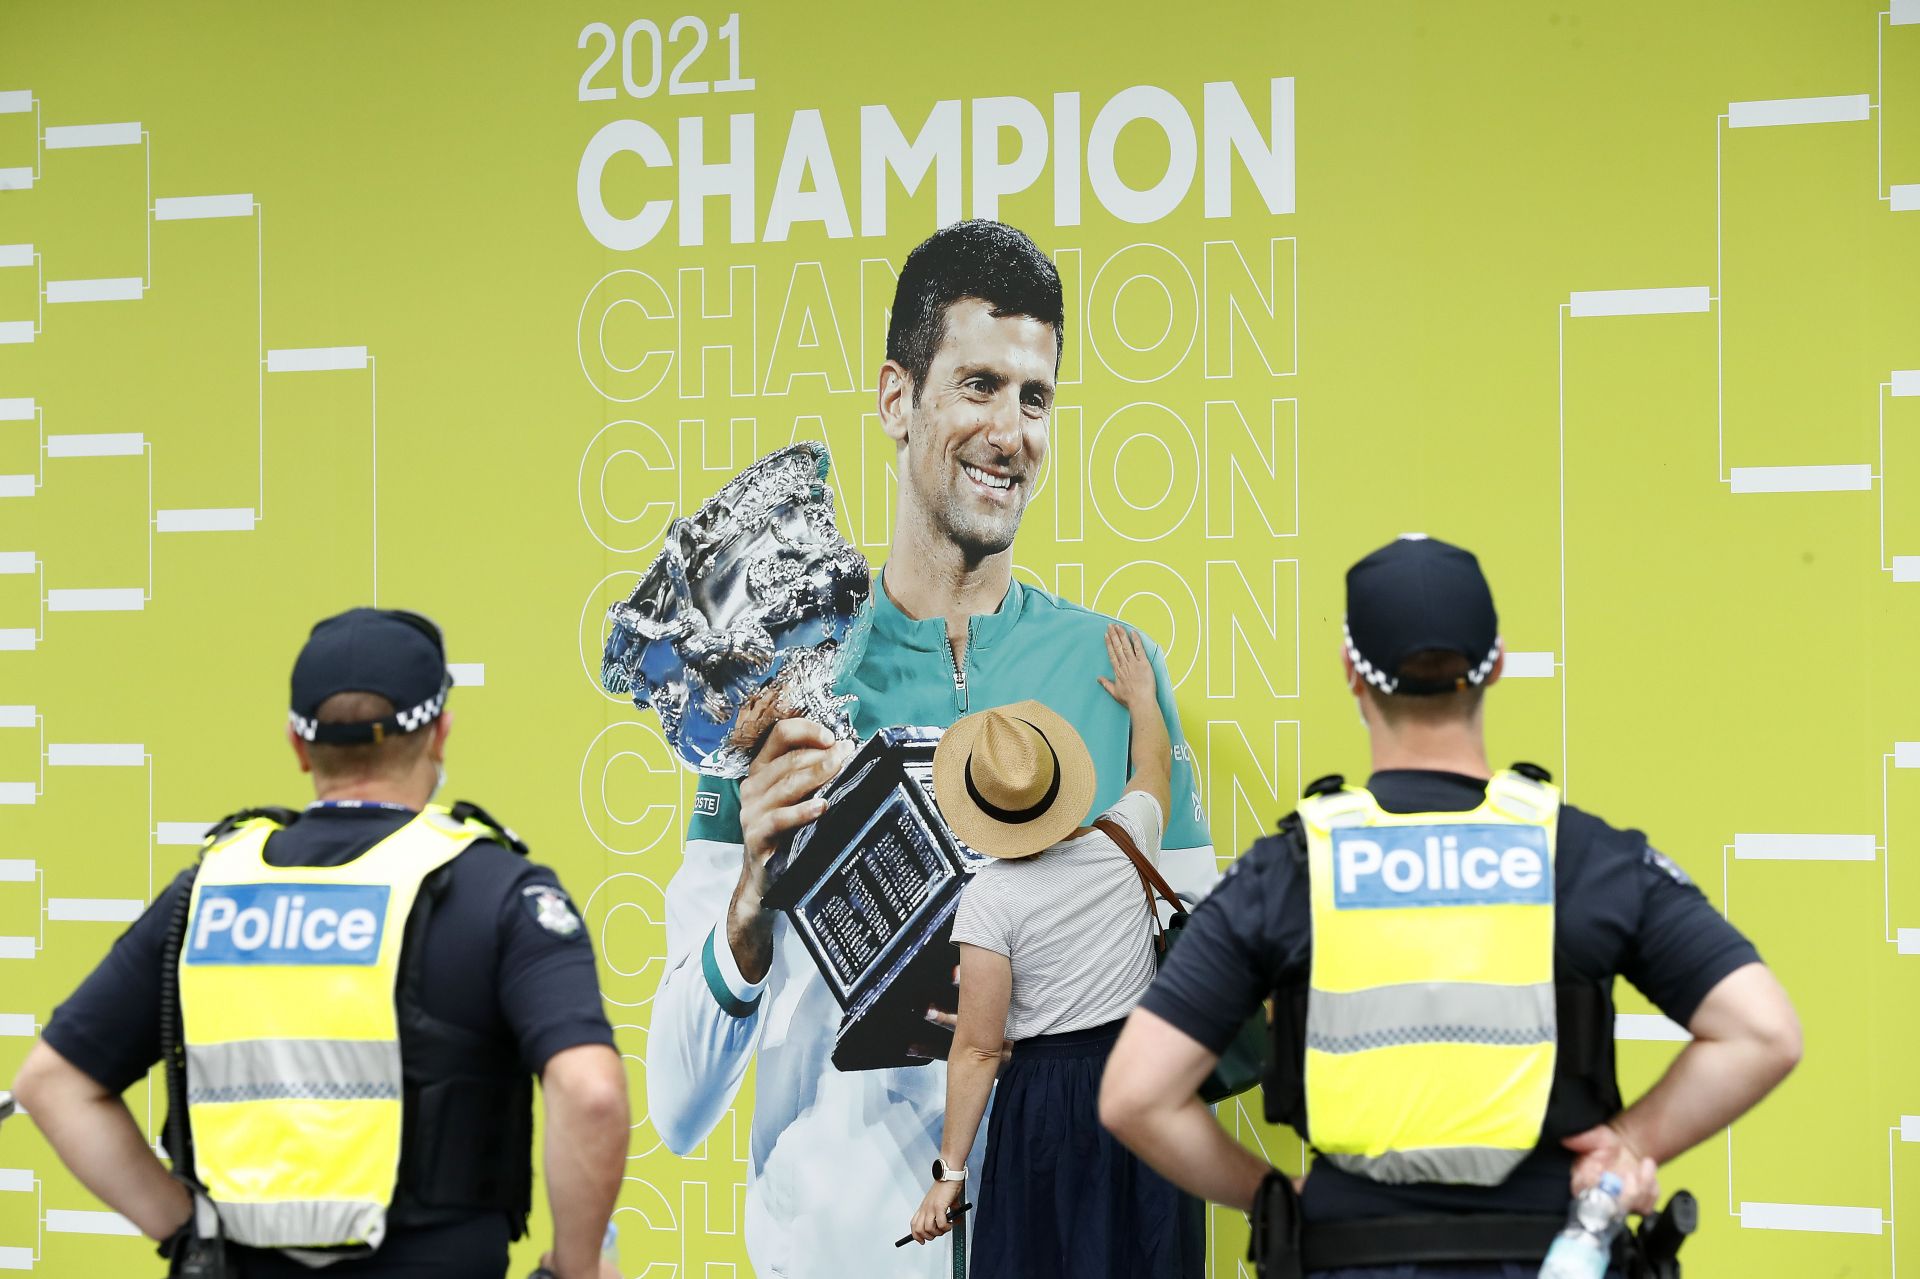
[[870, 888]]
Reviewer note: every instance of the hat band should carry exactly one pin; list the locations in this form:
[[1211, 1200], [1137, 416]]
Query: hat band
[[1016, 816], [397, 724]]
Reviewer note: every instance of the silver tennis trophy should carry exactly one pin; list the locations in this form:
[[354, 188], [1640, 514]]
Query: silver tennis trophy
[[749, 613]]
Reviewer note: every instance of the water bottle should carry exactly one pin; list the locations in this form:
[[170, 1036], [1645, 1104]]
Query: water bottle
[[1584, 1249]]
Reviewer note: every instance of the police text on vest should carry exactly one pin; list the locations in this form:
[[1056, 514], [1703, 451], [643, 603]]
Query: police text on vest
[[292, 924], [1441, 865]]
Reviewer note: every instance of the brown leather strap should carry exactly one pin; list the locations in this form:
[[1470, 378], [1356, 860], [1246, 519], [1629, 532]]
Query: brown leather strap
[[1150, 878]]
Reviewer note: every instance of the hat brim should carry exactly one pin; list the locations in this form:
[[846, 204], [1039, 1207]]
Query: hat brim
[[985, 833]]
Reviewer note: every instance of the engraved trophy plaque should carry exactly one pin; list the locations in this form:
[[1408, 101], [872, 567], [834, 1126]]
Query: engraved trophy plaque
[[870, 888]]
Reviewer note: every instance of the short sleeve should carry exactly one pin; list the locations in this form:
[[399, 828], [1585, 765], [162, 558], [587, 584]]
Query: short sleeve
[[1246, 938], [982, 918], [1683, 947], [549, 988], [1138, 813], [109, 1028]]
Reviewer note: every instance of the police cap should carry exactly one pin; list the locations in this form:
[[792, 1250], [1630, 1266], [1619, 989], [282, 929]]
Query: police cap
[[1417, 595], [390, 652]]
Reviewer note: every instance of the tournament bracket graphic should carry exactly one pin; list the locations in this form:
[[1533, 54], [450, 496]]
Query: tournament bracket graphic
[[1619, 296]]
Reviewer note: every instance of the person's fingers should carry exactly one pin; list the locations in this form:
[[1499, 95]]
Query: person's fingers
[[941, 1017], [781, 820], [1113, 690], [761, 827], [793, 777], [1590, 1141], [1649, 1197], [792, 733]]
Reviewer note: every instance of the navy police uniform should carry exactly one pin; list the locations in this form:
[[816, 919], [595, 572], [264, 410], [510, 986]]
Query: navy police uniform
[[1421, 622], [489, 967], [496, 976], [1622, 909]]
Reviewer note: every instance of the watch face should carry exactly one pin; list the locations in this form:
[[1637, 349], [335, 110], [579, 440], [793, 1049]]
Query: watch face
[[939, 1169]]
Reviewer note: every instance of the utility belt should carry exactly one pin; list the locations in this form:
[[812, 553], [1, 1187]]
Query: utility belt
[[1283, 1246]]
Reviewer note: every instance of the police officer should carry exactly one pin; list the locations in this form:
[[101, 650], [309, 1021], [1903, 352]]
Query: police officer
[[354, 999], [1440, 947]]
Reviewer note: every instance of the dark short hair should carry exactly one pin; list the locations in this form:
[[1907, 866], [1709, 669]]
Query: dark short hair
[[1429, 666], [990, 261], [393, 753]]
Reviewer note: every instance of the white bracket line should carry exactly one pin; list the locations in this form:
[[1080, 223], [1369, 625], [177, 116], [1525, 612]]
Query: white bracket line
[[1900, 384], [1560, 391], [25, 639], [19, 102], [24, 1181], [1905, 941], [24, 871], [1899, 197], [26, 409], [326, 359]]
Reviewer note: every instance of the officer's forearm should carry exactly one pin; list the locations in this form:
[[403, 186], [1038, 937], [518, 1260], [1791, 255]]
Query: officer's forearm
[[97, 1139], [1746, 1040], [585, 1090], [1185, 1144]]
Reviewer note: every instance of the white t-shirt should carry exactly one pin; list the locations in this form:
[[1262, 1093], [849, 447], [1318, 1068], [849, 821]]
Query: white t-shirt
[[1073, 921]]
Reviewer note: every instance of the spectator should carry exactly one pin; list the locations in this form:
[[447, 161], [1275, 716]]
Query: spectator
[[1055, 949]]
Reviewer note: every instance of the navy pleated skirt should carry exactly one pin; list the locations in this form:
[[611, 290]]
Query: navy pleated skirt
[[1059, 1198]]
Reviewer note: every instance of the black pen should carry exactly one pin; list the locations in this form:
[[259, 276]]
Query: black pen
[[953, 1214]]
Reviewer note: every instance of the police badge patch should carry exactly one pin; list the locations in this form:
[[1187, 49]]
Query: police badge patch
[[551, 910], [1660, 861]]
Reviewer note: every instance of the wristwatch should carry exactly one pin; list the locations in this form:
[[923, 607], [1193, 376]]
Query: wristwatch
[[943, 1173]]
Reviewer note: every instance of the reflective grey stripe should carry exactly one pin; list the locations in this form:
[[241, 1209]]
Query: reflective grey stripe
[[1430, 1013], [1455, 1165], [293, 1069], [304, 1223]]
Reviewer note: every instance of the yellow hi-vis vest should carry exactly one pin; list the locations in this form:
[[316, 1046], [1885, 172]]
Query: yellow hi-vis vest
[[288, 978], [1430, 1005]]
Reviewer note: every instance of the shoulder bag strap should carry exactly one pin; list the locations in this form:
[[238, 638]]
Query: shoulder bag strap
[[1150, 879]]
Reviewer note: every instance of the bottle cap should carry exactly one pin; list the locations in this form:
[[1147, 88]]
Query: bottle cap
[[1611, 1183]]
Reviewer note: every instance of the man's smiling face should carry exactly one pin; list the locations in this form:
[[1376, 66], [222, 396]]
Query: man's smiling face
[[976, 430]]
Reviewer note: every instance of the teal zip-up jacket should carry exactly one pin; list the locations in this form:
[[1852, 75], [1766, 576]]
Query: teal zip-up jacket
[[838, 1161]]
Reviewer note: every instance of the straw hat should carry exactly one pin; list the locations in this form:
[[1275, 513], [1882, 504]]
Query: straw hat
[[1013, 780]]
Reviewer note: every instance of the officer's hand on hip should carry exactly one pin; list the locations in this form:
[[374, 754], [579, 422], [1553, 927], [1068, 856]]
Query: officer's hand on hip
[[1603, 1149]]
